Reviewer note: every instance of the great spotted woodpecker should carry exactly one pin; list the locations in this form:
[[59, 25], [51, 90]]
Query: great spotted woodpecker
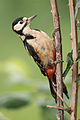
[[40, 47]]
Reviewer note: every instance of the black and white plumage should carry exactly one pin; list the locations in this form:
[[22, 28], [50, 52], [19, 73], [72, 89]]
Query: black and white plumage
[[40, 47], [38, 44]]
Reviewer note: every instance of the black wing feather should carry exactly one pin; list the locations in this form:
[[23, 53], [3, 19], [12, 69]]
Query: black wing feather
[[34, 54]]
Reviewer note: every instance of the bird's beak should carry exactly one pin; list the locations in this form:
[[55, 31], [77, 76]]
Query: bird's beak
[[31, 18]]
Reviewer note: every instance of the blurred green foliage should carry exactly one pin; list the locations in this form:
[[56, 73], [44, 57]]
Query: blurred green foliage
[[14, 100], [18, 73]]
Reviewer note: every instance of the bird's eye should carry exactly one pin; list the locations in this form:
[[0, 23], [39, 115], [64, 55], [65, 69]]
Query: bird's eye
[[21, 22]]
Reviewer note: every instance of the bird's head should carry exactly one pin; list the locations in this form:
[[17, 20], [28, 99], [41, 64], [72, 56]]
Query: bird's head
[[21, 23]]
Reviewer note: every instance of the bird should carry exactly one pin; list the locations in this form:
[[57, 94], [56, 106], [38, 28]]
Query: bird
[[41, 48]]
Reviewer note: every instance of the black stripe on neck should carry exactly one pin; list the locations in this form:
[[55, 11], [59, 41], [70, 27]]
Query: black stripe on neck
[[27, 37]]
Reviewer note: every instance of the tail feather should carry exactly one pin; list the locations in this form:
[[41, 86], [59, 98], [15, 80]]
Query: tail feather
[[53, 80], [52, 90], [65, 91]]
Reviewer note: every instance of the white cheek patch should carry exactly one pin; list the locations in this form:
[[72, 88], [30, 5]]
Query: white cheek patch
[[18, 26]]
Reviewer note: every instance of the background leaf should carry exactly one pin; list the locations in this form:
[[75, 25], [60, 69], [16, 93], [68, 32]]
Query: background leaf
[[77, 79], [69, 64], [77, 7], [14, 100], [70, 61], [78, 23]]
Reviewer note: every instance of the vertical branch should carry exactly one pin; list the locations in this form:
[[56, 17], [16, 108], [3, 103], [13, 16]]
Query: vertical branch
[[56, 22], [75, 66]]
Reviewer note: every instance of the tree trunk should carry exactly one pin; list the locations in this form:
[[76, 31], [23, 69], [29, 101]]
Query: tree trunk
[[75, 66], [58, 42]]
